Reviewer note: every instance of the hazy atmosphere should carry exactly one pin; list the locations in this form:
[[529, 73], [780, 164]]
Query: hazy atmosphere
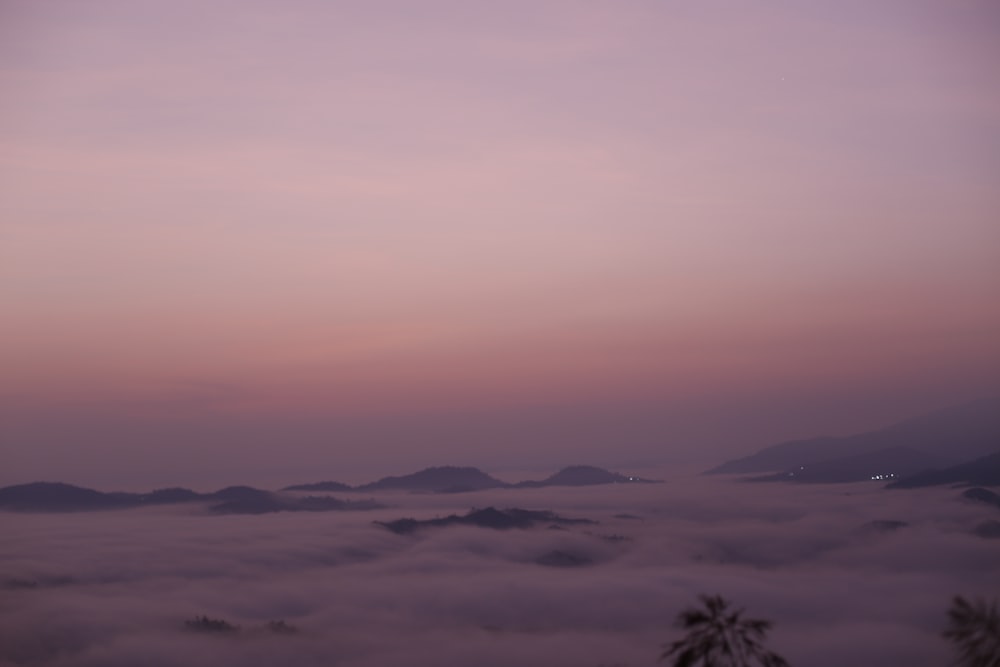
[[267, 236], [472, 333]]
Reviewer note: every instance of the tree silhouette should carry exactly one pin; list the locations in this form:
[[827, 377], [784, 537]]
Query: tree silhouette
[[974, 629], [718, 636]]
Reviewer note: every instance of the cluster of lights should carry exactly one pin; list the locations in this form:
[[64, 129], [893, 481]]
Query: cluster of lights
[[888, 475]]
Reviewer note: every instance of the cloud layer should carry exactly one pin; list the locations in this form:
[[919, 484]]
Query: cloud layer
[[115, 588]]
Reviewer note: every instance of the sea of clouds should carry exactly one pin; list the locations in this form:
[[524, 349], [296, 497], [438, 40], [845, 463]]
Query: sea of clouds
[[108, 589]]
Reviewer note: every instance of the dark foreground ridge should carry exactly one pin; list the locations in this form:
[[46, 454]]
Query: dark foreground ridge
[[489, 517], [58, 497]]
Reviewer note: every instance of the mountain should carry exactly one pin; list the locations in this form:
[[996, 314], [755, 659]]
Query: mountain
[[984, 471], [947, 437], [583, 476], [244, 500], [336, 487], [980, 495], [442, 479], [58, 497], [452, 479], [167, 496], [489, 517], [883, 464], [989, 530]]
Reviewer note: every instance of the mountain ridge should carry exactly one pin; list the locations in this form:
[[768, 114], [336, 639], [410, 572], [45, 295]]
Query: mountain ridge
[[941, 438], [583, 475], [983, 471], [461, 479], [62, 497]]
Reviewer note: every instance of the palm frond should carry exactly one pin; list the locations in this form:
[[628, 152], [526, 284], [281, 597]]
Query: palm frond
[[974, 629], [719, 636]]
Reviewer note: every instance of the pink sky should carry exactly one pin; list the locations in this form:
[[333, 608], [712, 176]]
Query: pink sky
[[364, 235]]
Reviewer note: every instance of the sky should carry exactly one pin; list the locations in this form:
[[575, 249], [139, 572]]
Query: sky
[[277, 239]]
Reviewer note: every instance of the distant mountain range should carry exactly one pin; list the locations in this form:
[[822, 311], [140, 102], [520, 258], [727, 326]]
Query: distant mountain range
[[584, 476], [941, 439], [58, 497], [984, 471], [443, 479], [334, 487], [451, 479], [888, 463]]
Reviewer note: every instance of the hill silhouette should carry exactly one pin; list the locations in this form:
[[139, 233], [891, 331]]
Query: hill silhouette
[[984, 471], [981, 495], [59, 497], [320, 486], [989, 529], [583, 476], [440, 479], [883, 464], [455, 479], [488, 517], [938, 439]]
